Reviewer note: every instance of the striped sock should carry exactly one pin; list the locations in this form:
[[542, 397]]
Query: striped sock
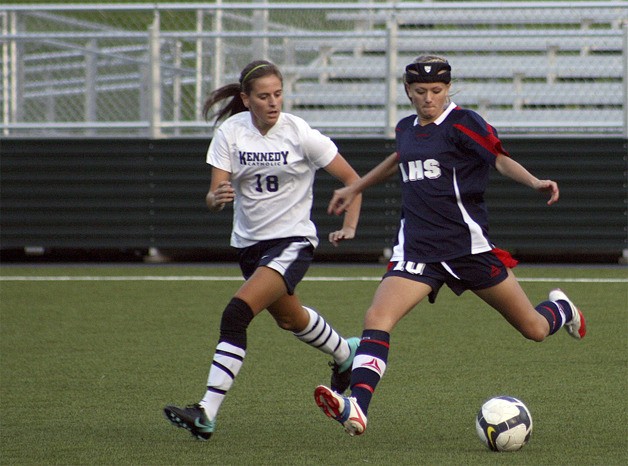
[[322, 336], [229, 355], [225, 366]]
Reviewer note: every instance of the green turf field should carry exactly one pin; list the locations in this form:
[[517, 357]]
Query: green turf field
[[90, 355]]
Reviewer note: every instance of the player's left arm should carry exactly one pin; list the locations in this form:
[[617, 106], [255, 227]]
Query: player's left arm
[[514, 170], [340, 169], [220, 190]]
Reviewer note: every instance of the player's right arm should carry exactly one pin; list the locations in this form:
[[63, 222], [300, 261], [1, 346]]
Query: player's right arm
[[343, 197], [220, 190], [514, 170]]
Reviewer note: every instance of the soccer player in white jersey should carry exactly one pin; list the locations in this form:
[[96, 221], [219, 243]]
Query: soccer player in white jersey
[[264, 162], [443, 156]]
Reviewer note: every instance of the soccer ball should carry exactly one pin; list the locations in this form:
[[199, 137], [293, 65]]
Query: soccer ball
[[504, 424]]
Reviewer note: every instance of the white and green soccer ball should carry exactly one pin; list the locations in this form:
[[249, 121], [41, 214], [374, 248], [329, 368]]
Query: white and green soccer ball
[[504, 424]]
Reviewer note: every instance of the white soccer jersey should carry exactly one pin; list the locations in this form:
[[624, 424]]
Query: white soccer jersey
[[272, 175]]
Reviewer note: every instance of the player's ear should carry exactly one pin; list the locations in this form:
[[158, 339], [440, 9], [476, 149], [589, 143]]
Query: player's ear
[[245, 99], [406, 87]]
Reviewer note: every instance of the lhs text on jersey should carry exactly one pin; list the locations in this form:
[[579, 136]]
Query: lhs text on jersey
[[417, 170]]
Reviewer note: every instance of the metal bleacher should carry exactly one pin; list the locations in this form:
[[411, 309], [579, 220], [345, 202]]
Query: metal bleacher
[[535, 67], [103, 143], [525, 67]]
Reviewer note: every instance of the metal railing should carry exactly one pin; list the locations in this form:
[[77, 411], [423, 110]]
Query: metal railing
[[145, 70]]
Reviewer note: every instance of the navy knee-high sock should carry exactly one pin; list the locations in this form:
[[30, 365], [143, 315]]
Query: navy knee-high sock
[[553, 314], [369, 366]]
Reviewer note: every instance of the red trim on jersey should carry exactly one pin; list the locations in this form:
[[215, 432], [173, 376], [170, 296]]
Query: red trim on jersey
[[490, 142], [505, 258]]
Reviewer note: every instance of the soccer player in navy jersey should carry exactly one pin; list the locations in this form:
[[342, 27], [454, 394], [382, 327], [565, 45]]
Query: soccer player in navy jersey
[[443, 157], [264, 162]]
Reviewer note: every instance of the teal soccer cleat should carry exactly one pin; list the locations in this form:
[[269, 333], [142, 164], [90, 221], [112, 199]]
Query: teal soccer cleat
[[192, 418], [341, 373]]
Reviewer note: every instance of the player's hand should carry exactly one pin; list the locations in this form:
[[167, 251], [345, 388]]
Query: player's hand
[[222, 195], [335, 237], [548, 186], [342, 198]]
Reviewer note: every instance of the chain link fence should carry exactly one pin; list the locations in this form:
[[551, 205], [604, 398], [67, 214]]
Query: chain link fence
[[135, 70]]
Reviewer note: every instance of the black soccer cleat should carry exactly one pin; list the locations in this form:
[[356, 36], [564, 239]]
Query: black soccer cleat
[[192, 418], [341, 373]]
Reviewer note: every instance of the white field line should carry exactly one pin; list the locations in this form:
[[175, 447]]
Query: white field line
[[183, 278]]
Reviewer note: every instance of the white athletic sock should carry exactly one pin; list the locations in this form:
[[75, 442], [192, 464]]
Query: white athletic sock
[[225, 366], [319, 334]]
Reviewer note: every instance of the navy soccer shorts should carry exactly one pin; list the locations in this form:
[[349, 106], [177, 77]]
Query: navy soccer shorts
[[472, 272], [290, 257]]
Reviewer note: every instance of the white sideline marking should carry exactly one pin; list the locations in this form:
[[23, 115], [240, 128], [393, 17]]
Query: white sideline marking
[[183, 278]]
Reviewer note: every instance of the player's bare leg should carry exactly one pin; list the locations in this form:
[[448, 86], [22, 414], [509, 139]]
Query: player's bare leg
[[534, 323]]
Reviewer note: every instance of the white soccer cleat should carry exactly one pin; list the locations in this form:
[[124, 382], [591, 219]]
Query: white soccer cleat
[[343, 409], [577, 326]]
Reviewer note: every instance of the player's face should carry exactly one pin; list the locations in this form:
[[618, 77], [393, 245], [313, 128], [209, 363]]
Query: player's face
[[264, 102], [429, 100]]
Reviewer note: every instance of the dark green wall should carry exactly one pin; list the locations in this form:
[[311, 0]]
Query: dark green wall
[[130, 194]]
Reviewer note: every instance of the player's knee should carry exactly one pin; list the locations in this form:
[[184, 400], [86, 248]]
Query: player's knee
[[534, 332], [293, 321], [288, 323]]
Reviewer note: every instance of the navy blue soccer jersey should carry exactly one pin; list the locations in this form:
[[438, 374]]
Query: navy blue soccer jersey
[[444, 169]]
